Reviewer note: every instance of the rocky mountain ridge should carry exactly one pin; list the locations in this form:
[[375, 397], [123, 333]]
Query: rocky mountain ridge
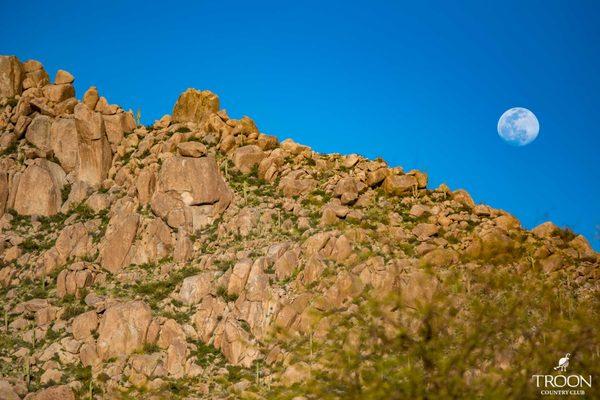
[[177, 259]]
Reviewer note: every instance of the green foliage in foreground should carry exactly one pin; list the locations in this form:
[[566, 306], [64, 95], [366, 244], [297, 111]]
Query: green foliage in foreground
[[474, 334]]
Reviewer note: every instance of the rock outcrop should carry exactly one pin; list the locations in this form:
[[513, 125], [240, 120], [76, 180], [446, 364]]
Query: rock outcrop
[[38, 189], [199, 257]]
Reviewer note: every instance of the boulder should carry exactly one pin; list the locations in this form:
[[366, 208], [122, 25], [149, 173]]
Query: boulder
[[170, 333], [63, 142], [95, 155], [239, 276], [7, 392], [38, 132], [235, 344], [73, 241], [11, 76], [440, 258], [194, 105], [155, 243], [58, 93], [545, 230], [115, 248], [63, 77], [84, 324], [39, 189], [123, 329], [194, 288], [397, 185], [246, 157], [197, 181], [347, 190], [424, 230], [62, 392], [91, 97], [34, 75], [191, 149], [117, 125], [297, 183], [206, 319], [190, 192], [146, 184]]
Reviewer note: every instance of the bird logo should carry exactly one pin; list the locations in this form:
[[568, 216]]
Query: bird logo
[[563, 363]]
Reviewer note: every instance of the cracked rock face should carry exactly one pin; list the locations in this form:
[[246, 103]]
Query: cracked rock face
[[190, 192]]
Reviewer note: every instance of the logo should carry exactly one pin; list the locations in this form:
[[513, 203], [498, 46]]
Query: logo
[[560, 384], [563, 363]]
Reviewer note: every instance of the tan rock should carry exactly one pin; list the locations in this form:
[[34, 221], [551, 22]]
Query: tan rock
[[190, 192], [104, 108], [90, 98], [239, 276], [117, 125], [35, 78], [58, 93], [63, 142], [39, 189], [376, 177], [286, 264], [440, 258], [7, 392], [346, 286], [38, 132], [347, 190], [119, 237], [507, 222], [183, 247], [580, 244], [155, 243], [236, 345], [191, 149], [62, 392], [11, 76], [421, 178], [88, 354], [95, 155], [146, 184], [72, 242], [418, 289], [545, 230], [194, 105], [246, 157], [176, 356], [84, 325], [207, 317], [245, 127], [463, 197], [194, 288], [170, 333], [22, 125], [297, 183], [424, 230], [123, 329], [63, 76], [267, 142], [398, 185]]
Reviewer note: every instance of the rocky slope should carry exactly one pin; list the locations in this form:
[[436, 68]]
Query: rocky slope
[[200, 258]]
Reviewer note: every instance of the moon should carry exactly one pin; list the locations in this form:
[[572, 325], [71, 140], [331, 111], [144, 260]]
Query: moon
[[518, 126]]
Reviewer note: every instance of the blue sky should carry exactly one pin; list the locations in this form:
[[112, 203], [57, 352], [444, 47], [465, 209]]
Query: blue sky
[[421, 84]]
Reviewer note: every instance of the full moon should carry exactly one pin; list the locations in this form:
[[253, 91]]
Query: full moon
[[518, 126]]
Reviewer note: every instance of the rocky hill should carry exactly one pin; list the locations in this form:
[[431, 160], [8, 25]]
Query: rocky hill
[[200, 258]]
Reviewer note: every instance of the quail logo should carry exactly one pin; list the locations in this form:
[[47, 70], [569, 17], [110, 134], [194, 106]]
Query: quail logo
[[561, 384], [563, 363]]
